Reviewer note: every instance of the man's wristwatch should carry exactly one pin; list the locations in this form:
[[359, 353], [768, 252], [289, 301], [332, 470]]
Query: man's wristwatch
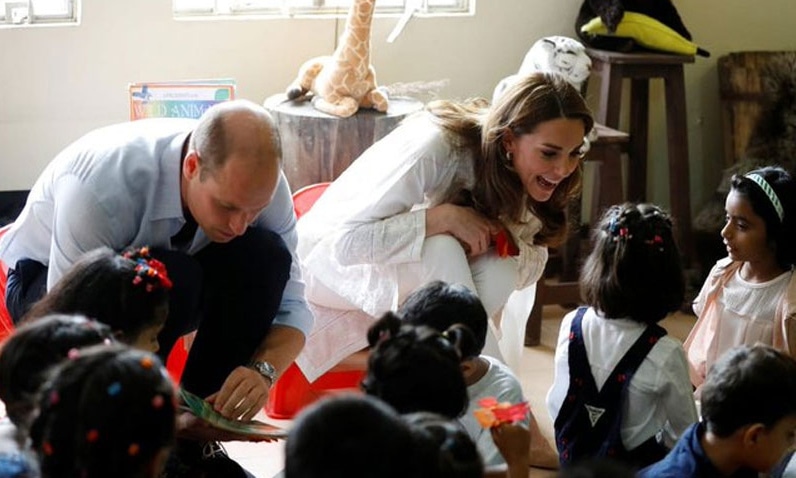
[[265, 369]]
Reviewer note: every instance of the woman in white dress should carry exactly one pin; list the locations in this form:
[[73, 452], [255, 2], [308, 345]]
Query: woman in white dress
[[428, 201]]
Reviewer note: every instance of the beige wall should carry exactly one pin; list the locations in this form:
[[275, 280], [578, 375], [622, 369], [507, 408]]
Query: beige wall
[[59, 82]]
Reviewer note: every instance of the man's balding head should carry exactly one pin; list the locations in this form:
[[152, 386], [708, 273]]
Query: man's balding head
[[238, 128]]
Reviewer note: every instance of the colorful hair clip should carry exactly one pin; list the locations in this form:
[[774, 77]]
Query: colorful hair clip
[[148, 269], [73, 353], [114, 389], [157, 402], [147, 362], [133, 449], [383, 336]]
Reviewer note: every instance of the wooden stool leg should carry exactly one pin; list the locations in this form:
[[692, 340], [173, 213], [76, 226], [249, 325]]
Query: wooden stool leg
[[533, 327], [639, 124], [608, 186], [679, 178], [610, 95]]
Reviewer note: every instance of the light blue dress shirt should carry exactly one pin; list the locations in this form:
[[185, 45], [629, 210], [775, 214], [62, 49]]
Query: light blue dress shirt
[[119, 186]]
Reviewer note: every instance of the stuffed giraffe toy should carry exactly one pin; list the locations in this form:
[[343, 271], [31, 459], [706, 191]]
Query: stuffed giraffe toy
[[342, 83]]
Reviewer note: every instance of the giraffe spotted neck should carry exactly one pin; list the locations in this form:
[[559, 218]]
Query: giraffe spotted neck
[[354, 47]]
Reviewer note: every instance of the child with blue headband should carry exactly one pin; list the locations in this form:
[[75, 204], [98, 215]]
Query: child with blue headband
[[750, 295]]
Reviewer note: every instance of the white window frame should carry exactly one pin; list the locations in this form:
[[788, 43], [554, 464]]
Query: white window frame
[[287, 8], [8, 9]]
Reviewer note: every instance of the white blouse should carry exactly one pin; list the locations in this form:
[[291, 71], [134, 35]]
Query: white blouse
[[373, 217]]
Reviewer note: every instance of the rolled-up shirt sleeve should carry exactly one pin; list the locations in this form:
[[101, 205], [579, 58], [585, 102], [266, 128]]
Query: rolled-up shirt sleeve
[[532, 258]]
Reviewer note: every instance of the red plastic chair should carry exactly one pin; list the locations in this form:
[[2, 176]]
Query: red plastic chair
[[6, 324], [292, 391]]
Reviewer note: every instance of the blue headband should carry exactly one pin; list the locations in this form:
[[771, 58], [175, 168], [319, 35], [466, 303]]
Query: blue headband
[[772, 195]]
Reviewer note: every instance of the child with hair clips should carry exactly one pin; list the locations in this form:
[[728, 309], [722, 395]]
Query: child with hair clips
[[620, 382], [441, 305], [351, 435], [416, 369], [25, 358], [128, 291], [750, 296], [109, 411], [458, 456], [748, 418]]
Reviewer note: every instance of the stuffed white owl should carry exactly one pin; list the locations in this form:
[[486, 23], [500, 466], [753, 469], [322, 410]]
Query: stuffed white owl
[[557, 54]]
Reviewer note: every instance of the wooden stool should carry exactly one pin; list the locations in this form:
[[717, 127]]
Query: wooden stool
[[606, 152], [317, 147], [612, 67]]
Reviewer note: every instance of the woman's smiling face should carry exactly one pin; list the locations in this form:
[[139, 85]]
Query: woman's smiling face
[[547, 155]]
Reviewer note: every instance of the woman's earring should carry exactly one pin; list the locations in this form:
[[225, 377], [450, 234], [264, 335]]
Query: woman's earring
[[509, 161]]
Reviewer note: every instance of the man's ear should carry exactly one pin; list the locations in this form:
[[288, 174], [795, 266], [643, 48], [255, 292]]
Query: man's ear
[[190, 165], [753, 434]]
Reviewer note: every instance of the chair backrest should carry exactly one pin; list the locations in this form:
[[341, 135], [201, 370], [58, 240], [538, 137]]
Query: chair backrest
[[304, 198], [6, 324]]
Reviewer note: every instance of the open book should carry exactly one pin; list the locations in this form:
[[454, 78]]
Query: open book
[[205, 411]]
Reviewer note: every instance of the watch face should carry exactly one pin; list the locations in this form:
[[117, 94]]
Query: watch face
[[265, 369]]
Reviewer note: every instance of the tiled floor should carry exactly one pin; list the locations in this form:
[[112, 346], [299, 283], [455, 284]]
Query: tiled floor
[[265, 460]]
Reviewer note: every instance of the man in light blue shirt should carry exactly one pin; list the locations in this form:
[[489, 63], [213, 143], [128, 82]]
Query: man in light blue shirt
[[210, 199]]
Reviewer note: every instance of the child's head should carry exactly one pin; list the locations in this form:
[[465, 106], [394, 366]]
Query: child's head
[[109, 411], [458, 456], [760, 216], [752, 390], [127, 291], [30, 352], [634, 269], [350, 435], [416, 369], [440, 305]]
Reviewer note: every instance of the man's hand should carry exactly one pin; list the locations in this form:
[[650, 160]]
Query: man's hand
[[242, 395]]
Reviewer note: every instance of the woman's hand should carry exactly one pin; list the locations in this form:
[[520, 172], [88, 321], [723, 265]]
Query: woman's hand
[[473, 230]]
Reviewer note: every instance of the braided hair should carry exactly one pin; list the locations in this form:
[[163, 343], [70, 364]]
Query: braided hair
[[127, 291], [417, 368], [108, 412], [31, 351], [634, 269]]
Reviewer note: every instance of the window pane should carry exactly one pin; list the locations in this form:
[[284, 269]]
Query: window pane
[[194, 5], [221, 7], [58, 8]]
